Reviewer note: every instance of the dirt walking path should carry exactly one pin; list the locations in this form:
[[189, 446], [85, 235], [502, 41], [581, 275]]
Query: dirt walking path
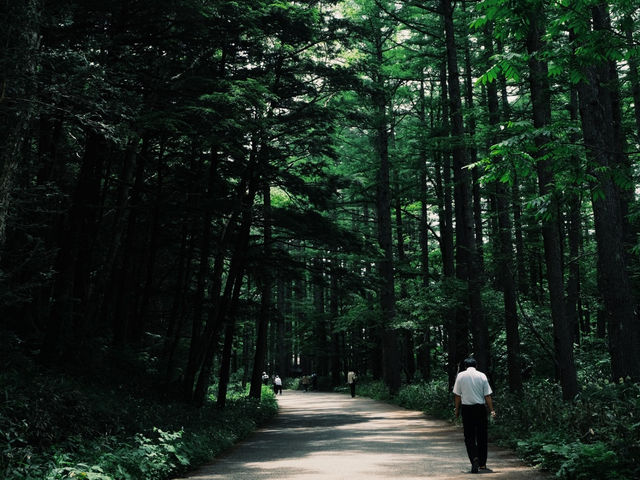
[[331, 436]]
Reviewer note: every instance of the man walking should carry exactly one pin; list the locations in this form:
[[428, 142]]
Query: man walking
[[472, 397], [352, 378]]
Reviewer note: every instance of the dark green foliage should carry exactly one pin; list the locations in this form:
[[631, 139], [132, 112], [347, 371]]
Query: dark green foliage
[[140, 139], [433, 398], [54, 427], [596, 433]]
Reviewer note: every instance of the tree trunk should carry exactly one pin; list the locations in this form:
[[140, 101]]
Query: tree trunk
[[319, 326], [633, 73], [150, 258], [390, 348], [467, 261], [76, 233], [541, 102], [574, 234], [334, 308], [423, 354], [255, 390], [176, 315], [598, 127], [229, 332], [473, 155], [505, 247], [191, 370], [281, 340], [445, 220], [20, 85], [523, 281], [407, 361]]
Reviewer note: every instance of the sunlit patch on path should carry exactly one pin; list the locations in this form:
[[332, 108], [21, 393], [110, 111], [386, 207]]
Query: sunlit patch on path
[[333, 436]]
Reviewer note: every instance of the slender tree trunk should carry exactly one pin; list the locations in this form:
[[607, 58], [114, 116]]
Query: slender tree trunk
[[505, 247], [75, 231], [390, 348], [176, 315], [523, 281], [150, 258], [407, 356], [472, 153], [225, 361], [255, 390], [300, 318], [467, 261], [319, 326], [17, 90], [541, 101], [281, 340], [445, 220], [574, 235], [424, 349], [334, 307], [200, 292]]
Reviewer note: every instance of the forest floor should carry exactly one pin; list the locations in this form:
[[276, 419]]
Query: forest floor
[[332, 436]]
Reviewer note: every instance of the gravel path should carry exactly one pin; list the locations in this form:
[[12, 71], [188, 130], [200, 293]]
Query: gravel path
[[331, 436]]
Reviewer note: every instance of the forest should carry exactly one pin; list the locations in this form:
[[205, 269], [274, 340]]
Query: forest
[[193, 192]]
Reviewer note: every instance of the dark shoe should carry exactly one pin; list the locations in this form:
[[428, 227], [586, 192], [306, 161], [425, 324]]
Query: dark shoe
[[474, 466]]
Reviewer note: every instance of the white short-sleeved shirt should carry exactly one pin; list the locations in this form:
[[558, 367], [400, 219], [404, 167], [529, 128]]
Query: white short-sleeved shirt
[[472, 386]]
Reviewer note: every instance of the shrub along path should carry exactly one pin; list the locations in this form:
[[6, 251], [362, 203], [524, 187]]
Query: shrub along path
[[333, 436]]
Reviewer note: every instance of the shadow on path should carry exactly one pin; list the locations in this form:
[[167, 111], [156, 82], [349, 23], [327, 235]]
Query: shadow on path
[[333, 436]]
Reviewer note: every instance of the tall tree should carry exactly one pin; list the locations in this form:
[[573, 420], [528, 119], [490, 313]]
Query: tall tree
[[505, 267], [467, 260], [598, 112], [541, 102], [20, 40]]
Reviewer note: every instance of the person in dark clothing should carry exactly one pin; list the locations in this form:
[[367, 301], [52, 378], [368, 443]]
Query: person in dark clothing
[[352, 378], [472, 398]]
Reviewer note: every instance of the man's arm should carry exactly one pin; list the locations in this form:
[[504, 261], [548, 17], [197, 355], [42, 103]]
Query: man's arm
[[458, 401], [487, 398]]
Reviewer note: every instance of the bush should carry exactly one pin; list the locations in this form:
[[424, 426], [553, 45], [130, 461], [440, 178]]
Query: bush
[[375, 389], [54, 428], [579, 461], [597, 436], [433, 398]]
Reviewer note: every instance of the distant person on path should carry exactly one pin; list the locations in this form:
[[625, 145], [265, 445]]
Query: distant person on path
[[314, 381], [265, 378], [305, 382], [352, 378], [277, 385], [472, 398]]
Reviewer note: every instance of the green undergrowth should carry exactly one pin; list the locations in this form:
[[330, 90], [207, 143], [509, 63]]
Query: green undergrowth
[[55, 428], [596, 436]]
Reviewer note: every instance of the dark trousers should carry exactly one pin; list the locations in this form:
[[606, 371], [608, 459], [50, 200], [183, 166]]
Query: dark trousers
[[474, 421], [352, 386]]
